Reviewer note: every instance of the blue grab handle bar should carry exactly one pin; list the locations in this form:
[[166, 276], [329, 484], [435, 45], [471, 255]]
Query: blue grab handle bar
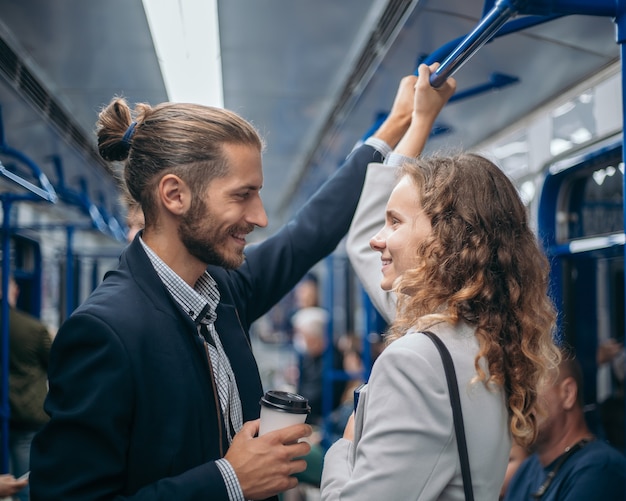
[[501, 12], [48, 195], [607, 8], [46, 191]]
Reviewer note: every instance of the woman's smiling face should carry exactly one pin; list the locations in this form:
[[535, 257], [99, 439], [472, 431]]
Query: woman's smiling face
[[406, 226]]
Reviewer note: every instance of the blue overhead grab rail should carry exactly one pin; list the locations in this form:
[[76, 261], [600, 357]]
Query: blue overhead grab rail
[[41, 193], [503, 10], [496, 81], [35, 193], [98, 215], [486, 29], [46, 191], [446, 53], [113, 224], [92, 209], [80, 198]]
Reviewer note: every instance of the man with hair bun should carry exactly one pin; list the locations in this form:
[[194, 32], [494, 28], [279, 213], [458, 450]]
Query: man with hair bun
[[154, 389]]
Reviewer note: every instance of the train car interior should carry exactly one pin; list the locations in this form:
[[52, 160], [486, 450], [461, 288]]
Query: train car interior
[[539, 91]]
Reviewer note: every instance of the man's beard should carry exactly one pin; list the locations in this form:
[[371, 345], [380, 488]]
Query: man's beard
[[199, 233]]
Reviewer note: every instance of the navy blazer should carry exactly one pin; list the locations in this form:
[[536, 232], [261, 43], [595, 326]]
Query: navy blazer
[[133, 413]]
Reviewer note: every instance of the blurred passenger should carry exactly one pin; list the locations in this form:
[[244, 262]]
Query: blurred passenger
[[29, 342], [276, 326], [610, 359], [9, 485], [611, 351], [458, 254], [568, 463], [350, 348], [134, 220], [154, 390], [311, 342], [307, 292]]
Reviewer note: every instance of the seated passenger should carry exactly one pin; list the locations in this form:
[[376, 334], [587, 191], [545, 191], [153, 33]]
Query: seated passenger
[[310, 340], [568, 463]]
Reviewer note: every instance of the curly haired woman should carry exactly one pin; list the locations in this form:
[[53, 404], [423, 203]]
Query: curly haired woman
[[460, 260]]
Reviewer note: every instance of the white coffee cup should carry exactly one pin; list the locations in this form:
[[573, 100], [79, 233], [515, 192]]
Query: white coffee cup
[[282, 408]]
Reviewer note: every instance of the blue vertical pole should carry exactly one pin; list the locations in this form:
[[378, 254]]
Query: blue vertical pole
[[328, 360], [620, 21], [69, 272], [4, 360], [369, 328]]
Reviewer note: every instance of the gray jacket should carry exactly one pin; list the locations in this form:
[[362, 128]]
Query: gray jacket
[[405, 442]]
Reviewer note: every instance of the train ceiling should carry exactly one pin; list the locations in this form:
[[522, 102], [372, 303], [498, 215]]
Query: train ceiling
[[311, 75]]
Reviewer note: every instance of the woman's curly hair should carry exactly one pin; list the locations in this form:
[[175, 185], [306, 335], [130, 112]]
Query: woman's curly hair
[[482, 265]]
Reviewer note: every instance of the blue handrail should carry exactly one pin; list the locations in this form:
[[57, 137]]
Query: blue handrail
[[80, 198], [496, 81], [501, 12], [5, 411], [45, 194], [606, 8], [487, 28], [45, 191]]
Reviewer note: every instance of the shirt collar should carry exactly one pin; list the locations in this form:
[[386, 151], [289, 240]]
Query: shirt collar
[[199, 302]]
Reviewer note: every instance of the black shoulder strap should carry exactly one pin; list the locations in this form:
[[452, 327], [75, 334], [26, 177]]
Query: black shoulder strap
[[455, 402]]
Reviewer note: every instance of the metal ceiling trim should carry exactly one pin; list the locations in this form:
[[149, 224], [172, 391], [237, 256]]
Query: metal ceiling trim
[[15, 71], [383, 34]]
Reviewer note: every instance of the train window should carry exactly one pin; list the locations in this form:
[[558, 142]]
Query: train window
[[581, 221], [573, 123], [512, 155], [527, 191], [595, 205]]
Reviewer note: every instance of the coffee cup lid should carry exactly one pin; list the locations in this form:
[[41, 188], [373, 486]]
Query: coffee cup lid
[[286, 401]]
